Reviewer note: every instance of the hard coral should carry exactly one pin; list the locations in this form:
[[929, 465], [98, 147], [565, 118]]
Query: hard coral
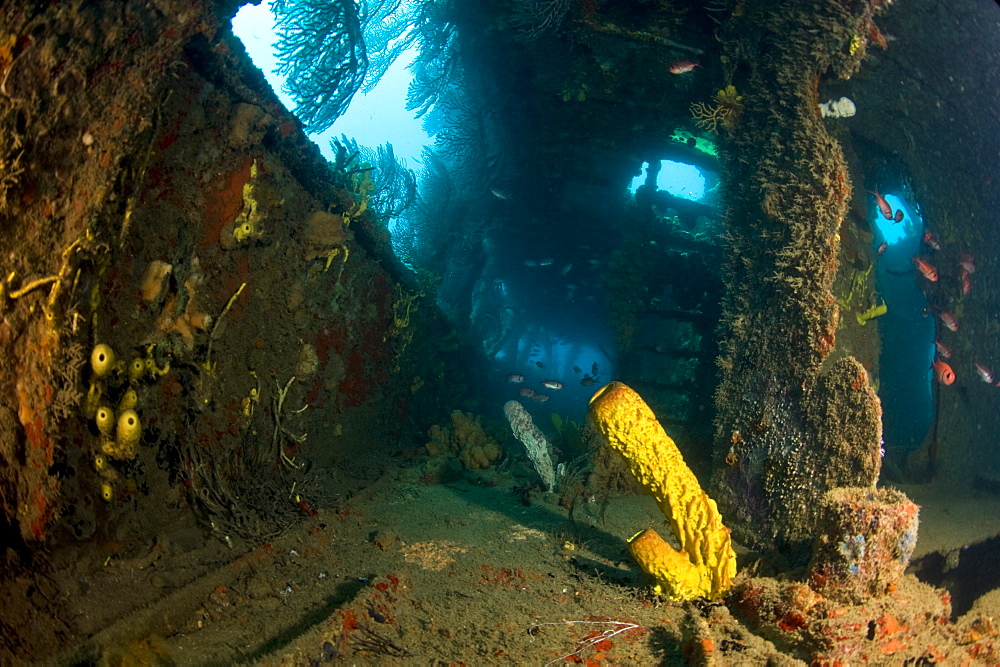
[[191, 317], [465, 437]]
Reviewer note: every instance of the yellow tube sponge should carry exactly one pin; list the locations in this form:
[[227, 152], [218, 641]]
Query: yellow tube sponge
[[872, 313], [706, 563]]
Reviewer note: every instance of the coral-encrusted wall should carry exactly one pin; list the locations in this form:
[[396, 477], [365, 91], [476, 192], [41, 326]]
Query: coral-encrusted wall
[[156, 197]]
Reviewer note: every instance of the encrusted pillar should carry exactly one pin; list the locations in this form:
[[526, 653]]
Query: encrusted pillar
[[796, 415]]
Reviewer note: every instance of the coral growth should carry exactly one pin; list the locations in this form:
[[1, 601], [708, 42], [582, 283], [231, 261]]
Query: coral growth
[[706, 562], [872, 313], [534, 442], [725, 112], [808, 417], [866, 540], [466, 438], [858, 606], [323, 232], [182, 313]]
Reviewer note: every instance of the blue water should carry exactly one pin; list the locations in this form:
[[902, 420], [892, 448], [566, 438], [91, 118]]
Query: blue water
[[907, 332], [677, 178]]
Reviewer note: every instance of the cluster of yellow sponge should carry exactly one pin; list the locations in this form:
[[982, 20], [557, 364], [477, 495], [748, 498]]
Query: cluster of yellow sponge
[[706, 562], [121, 429]]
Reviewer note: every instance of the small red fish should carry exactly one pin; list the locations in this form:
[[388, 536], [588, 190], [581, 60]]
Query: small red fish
[[984, 373], [899, 215], [516, 379], [539, 398], [587, 381], [683, 67], [967, 262], [943, 373], [931, 241], [883, 205], [929, 271], [552, 384], [527, 392], [966, 283], [949, 319], [881, 249], [942, 349]]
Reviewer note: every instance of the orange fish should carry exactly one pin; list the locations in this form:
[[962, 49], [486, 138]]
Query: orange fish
[[931, 240], [943, 349], [882, 248], [883, 205], [527, 392], [552, 384], [683, 67], [943, 373], [929, 271], [516, 379], [899, 215], [540, 398]]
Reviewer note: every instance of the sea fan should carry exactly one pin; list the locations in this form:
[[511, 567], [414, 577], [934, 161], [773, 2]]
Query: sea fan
[[395, 185], [330, 49]]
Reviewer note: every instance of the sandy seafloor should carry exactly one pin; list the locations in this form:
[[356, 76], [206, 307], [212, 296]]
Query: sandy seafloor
[[404, 572]]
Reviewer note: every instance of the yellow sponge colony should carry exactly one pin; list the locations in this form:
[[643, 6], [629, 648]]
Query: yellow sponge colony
[[706, 563], [129, 433], [102, 360]]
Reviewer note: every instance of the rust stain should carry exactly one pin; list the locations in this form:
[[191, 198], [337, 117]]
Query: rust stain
[[223, 202]]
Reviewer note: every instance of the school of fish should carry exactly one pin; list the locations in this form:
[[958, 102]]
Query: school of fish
[[941, 369]]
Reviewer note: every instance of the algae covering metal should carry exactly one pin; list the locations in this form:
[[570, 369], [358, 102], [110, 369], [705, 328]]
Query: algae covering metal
[[795, 414]]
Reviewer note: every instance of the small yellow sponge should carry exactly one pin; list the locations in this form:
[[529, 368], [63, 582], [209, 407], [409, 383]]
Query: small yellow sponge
[[706, 563]]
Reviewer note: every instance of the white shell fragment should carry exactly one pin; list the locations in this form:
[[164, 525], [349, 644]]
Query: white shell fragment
[[842, 108]]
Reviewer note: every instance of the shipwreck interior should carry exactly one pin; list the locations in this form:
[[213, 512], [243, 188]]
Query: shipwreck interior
[[263, 402]]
